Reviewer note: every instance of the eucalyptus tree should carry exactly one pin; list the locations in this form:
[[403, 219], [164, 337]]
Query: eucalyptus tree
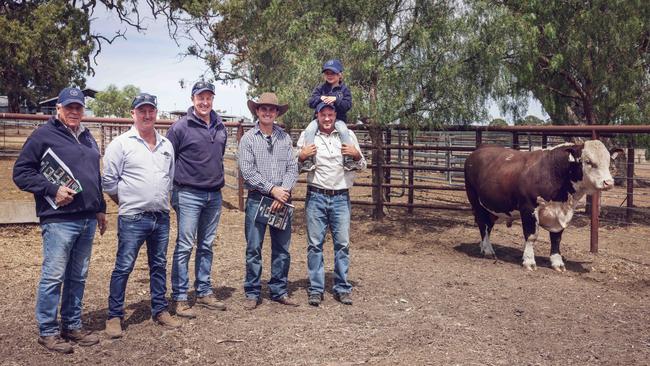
[[588, 62], [46, 45], [113, 101]]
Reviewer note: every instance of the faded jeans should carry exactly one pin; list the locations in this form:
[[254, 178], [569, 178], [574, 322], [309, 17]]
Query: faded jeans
[[323, 212], [197, 216], [133, 231], [66, 254], [280, 257]]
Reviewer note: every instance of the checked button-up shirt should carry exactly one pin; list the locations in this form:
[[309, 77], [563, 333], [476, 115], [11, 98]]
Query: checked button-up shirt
[[267, 161]]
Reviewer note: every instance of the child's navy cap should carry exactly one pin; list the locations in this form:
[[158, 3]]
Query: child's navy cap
[[322, 105], [71, 95], [333, 65], [144, 98], [202, 86]]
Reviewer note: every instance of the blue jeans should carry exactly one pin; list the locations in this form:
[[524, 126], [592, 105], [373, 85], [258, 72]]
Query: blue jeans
[[197, 216], [340, 126], [280, 257], [132, 231], [325, 211], [66, 255]]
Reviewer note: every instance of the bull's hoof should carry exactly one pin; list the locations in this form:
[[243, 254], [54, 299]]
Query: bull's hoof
[[530, 266], [557, 263], [491, 255], [560, 268]]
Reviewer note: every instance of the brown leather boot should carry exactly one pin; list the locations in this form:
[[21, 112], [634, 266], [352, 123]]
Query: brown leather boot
[[55, 343], [166, 320], [210, 302], [81, 337], [183, 309], [114, 328]]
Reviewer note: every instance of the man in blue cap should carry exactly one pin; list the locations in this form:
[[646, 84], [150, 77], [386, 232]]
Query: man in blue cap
[[59, 164], [327, 205], [138, 173], [199, 141]]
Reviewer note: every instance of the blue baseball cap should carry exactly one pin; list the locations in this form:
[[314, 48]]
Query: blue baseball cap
[[71, 95], [322, 105], [144, 98], [201, 86], [333, 65]]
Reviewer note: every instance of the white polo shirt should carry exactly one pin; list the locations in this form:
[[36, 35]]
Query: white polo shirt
[[329, 172], [141, 178]]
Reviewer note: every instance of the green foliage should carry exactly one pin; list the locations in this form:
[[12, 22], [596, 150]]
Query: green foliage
[[44, 46], [407, 60], [530, 121], [498, 122], [582, 60], [113, 102]]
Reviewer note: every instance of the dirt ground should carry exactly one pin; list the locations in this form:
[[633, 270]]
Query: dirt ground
[[423, 295]]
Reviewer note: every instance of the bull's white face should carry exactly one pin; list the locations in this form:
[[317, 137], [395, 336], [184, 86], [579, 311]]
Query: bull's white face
[[595, 161]]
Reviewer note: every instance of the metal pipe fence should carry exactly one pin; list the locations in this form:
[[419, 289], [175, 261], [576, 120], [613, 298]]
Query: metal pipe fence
[[424, 170]]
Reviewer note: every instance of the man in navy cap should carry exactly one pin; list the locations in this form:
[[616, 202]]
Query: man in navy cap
[[327, 205], [59, 164], [138, 173], [199, 141]]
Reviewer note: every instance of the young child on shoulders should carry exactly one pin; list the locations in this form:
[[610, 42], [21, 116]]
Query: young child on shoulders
[[335, 93]]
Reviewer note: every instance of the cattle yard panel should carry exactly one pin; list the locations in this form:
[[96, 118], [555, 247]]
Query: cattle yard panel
[[424, 170]]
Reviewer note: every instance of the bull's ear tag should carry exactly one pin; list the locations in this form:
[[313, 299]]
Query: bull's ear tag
[[571, 158]]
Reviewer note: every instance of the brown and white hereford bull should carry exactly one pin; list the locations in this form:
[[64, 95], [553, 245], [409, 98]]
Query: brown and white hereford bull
[[543, 186]]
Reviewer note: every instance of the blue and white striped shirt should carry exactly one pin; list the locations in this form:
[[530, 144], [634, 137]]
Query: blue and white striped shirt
[[267, 161]]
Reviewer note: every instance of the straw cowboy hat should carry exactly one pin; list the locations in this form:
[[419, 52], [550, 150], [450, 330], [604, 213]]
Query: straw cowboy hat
[[267, 99]]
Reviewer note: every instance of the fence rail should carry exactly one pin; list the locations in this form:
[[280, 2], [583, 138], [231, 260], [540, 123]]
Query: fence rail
[[422, 170]]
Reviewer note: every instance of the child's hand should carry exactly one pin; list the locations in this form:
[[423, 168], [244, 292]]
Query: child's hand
[[328, 99]]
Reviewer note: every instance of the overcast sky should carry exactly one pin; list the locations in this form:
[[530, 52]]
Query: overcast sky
[[151, 61]]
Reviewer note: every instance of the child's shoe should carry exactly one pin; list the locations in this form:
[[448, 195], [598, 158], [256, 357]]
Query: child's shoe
[[307, 166], [349, 164]]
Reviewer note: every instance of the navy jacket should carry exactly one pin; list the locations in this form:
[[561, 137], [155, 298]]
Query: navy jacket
[[82, 158], [343, 98], [199, 151]]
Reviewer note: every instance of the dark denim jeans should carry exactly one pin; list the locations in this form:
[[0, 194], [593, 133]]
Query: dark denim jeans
[[66, 255], [325, 211], [280, 257], [133, 231], [197, 215]]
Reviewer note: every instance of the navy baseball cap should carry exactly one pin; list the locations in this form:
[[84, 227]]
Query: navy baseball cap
[[333, 65], [202, 86], [71, 95], [322, 105], [144, 98]]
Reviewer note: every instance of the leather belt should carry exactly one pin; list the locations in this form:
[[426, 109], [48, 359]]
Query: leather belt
[[328, 192]]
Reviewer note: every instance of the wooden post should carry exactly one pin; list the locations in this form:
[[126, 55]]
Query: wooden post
[[479, 137], [411, 159], [515, 141], [629, 182], [544, 141], [240, 180], [595, 211]]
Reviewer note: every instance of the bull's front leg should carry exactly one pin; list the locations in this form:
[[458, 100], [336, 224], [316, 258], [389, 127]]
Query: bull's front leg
[[556, 258], [531, 228]]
